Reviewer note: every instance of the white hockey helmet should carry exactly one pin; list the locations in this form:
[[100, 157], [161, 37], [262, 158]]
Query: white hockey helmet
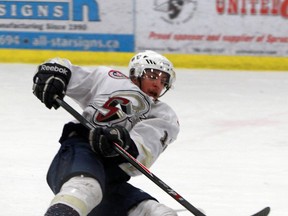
[[151, 60]]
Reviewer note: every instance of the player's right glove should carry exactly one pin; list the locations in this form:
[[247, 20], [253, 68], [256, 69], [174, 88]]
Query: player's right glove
[[51, 80], [102, 140]]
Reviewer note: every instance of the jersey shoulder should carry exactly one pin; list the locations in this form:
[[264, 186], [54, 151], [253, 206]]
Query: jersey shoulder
[[165, 111]]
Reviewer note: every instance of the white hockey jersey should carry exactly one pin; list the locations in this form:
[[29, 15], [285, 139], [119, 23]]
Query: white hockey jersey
[[108, 97]]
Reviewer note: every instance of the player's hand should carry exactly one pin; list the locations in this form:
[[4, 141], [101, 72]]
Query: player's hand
[[51, 80], [102, 140]]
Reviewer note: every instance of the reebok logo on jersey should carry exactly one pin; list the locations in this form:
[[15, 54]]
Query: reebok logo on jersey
[[54, 68]]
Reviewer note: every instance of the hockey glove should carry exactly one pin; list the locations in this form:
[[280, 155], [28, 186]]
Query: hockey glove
[[102, 140], [51, 80]]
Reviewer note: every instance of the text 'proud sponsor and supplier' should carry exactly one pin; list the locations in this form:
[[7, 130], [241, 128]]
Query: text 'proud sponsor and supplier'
[[269, 38]]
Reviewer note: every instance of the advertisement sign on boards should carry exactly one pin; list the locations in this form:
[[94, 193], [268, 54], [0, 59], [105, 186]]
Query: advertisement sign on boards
[[87, 25], [221, 27]]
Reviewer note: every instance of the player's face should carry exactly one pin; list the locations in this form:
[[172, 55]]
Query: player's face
[[153, 82]]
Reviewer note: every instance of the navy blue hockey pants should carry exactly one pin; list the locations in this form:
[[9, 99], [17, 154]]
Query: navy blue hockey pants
[[75, 158]]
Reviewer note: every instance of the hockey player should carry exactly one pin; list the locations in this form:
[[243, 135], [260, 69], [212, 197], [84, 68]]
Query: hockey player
[[87, 176]]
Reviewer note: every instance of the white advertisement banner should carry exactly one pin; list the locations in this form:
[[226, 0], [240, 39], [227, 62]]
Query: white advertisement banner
[[222, 27], [87, 25]]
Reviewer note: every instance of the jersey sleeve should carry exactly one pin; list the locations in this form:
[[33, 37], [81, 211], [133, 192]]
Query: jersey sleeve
[[152, 136], [84, 82]]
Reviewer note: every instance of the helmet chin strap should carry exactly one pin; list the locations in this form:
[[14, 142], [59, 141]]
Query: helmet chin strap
[[164, 92]]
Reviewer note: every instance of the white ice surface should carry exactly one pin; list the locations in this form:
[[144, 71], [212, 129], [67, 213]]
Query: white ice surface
[[231, 156]]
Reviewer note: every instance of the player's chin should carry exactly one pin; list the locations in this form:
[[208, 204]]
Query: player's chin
[[153, 94]]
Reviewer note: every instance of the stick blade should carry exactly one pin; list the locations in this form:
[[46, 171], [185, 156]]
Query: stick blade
[[263, 212]]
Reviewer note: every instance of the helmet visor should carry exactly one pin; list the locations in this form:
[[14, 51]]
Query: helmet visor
[[154, 74]]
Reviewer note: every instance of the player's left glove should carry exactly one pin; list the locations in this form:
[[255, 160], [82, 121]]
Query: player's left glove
[[51, 80], [101, 140]]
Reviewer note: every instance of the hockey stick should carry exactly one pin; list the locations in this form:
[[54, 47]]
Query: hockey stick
[[142, 168]]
